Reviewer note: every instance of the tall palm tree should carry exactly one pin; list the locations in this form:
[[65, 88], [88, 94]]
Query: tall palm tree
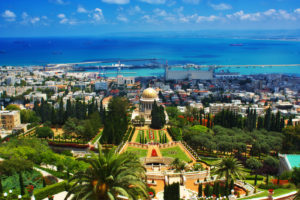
[[229, 167], [108, 176], [297, 197]]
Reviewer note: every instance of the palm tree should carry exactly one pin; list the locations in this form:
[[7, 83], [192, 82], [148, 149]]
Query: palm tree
[[108, 176], [178, 165], [297, 197], [229, 167]]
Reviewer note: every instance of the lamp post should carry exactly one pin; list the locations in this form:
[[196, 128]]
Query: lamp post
[[5, 194], [19, 196]]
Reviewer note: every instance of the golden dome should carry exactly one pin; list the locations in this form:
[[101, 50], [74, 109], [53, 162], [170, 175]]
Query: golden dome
[[149, 93]]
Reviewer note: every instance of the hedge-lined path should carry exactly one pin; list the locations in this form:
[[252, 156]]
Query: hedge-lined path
[[60, 196], [187, 152], [135, 134], [44, 173], [167, 134]]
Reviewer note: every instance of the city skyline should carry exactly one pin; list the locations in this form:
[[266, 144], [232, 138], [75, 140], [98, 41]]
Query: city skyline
[[98, 17]]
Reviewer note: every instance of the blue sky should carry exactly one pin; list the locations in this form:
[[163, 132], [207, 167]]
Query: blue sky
[[97, 17]]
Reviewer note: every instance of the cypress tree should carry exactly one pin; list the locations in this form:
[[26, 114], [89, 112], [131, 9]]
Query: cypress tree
[[206, 190], [21, 182], [200, 190], [260, 123], [267, 120], [61, 113], [290, 122]]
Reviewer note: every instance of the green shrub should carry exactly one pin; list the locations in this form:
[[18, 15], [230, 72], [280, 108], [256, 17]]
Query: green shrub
[[252, 177], [44, 132], [50, 190], [269, 186]]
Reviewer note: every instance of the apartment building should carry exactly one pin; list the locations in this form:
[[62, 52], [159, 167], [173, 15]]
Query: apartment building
[[215, 108], [10, 119]]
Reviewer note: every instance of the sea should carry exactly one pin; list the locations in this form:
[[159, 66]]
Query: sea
[[171, 50]]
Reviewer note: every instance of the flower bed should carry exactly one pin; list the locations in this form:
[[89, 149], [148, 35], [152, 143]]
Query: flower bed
[[74, 145], [151, 135], [154, 153]]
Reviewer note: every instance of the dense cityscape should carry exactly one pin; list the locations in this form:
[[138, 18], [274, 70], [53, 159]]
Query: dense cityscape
[[85, 135], [150, 100]]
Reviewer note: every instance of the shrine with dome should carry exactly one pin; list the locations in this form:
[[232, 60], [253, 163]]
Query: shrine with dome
[[147, 99]]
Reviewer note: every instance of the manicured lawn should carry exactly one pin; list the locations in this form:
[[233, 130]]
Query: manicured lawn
[[147, 135], [277, 192], [175, 152], [162, 133], [138, 151], [140, 133], [210, 161]]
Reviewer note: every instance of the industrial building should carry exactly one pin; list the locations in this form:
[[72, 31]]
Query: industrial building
[[188, 74]]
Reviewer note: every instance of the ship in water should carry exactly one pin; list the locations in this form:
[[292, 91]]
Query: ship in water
[[237, 45]]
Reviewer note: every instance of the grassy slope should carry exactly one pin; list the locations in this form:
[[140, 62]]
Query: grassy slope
[[277, 192], [170, 152], [138, 151]]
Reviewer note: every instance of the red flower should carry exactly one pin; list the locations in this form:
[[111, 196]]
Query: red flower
[[151, 193], [30, 188], [154, 153], [271, 190]]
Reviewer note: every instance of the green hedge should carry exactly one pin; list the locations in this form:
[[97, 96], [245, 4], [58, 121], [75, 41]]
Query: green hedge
[[57, 174], [131, 134], [252, 177], [51, 190]]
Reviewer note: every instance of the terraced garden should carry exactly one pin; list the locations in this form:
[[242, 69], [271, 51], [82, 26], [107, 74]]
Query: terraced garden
[[138, 151], [145, 136], [175, 152]]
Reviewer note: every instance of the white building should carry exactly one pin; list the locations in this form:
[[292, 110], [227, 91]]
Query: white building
[[102, 85]]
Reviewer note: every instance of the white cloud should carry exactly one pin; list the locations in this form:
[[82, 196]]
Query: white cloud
[[135, 10], [210, 18], [60, 2], [297, 10], [221, 6], [122, 18], [98, 15], [160, 12], [270, 12], [154, 1], [116, 1], [191, 1], [64, 20], [81, 9], [285, 15], [179, 10], [34, 20], [244, 16], [27, 19], [61, 16], [9, 15], [148, 19]]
